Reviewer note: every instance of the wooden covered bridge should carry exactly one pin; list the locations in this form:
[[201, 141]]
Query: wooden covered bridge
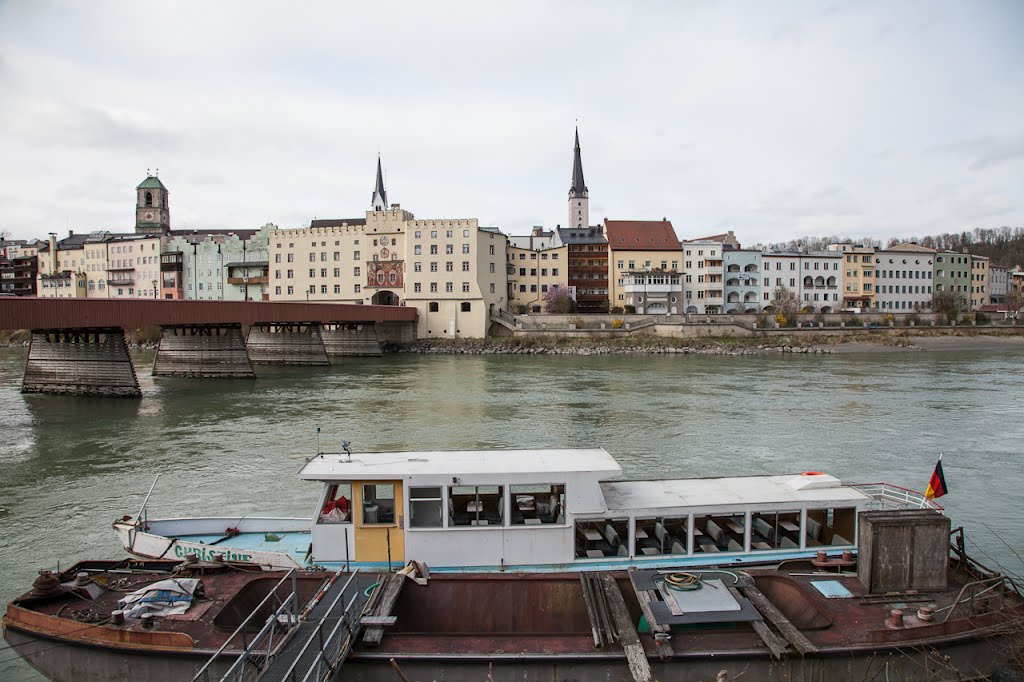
[[78, 345]]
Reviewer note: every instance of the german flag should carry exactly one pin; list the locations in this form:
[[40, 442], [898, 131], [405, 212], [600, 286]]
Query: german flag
[[937, 484]]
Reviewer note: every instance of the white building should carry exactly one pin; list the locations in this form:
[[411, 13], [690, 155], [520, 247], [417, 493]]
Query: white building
[[704, 276], [903, 277]]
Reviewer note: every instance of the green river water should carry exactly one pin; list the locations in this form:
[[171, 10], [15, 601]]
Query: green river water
[[70, 466]]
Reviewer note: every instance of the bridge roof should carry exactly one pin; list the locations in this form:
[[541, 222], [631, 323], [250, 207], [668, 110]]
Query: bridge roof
[[68, 313]]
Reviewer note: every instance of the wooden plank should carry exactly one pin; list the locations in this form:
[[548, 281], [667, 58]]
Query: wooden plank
[[636, 657], [772, 613], [775, 644], [378, 620], [588, 599], [390, 590], [646, 598]]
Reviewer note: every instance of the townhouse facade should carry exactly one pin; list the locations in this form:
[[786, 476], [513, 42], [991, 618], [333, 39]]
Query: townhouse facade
[[979, 281], [858, 275], [638, 252], [904, 277], [953, 273], [532, 273], [998, 283], [744, 279], [703, 276], [587, 254]]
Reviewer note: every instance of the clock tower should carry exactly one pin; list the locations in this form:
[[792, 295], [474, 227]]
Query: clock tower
[[152, 213]]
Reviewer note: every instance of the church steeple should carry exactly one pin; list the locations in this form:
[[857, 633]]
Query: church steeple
[[380, 196], [579, 201]]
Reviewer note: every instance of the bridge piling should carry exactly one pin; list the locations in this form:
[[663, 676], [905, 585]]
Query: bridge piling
[[85, 362], [351, 340], [287, 344], [203, 350]]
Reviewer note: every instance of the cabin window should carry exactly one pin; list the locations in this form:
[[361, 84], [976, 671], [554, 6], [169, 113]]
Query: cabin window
[[537, 504], [337, 504], [774, 530], [661, 535], [830, 527], [602, 538], [378, 504], [719, 532], [481, 505], [425, 507]]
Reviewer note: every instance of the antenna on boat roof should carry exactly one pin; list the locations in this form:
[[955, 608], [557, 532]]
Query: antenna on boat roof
[[318, 441], [347, 447]]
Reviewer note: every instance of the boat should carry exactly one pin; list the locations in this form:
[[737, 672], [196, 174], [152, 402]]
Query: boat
[[543, 510], [133, 619], [908, 605]]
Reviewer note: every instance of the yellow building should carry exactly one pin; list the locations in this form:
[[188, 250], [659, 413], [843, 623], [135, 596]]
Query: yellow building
[[859, 274], [532, 273], [639, 246], [100, 265], [979, 281]]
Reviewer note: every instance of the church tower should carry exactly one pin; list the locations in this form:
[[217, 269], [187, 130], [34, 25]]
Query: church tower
[[579, 201], [152, 213], [380, 196]]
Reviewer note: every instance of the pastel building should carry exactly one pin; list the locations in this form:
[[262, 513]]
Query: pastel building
[[979, 281], [781, 270], [743, 280], [953, 274], [453, 271], [821, 281], [644, 246], [219, 265], [532, 273], [858, 275], [704, 276], [998, 283], [904, 277]]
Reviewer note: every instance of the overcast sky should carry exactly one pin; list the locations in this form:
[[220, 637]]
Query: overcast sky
[[773, 119]]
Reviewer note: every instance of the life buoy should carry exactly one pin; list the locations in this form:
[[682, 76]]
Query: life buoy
[[813, 473]]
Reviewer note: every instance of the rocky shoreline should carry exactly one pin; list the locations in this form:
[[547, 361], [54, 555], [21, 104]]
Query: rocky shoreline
[[491, 347]]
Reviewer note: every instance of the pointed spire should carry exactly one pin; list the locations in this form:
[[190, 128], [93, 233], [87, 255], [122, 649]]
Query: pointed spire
[[578, 188], [380, 196]]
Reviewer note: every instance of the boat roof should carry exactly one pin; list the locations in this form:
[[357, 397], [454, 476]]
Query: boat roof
[[399, 465], [795, 489]]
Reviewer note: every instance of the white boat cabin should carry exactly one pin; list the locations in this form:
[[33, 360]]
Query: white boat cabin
[[555, 507]]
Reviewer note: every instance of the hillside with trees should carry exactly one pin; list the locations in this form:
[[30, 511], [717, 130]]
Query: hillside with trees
[[1002, 245]]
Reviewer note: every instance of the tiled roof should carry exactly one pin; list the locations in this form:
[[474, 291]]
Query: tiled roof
[[337, 222], [641, 235]]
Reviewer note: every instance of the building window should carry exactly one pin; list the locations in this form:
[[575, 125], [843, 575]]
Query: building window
[[416, 287], [417, 250], [357, 272], [432, 307], [355, 255], [433, 249], [417, 266], [433, 287], [291, 290], [465, 249], [465, 266], [337, 288], [359, 288], [449, 249], [277, 291], [465, 287], [449, 287], [323, 288]]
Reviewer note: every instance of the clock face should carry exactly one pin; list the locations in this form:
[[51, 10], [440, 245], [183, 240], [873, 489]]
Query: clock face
[[148, 216], [384, 241]]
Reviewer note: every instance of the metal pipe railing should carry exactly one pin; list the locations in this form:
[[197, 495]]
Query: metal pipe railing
[[318, 632], [204, 672]]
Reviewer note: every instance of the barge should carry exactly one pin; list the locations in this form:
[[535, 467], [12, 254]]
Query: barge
[[528, 510], [908, 606]]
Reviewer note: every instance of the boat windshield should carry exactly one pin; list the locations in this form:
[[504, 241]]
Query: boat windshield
[[337, 504]]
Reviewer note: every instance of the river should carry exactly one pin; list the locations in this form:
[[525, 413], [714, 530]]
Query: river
[[70, 466]]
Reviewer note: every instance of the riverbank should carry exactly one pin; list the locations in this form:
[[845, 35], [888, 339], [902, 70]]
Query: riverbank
[[883, 341]]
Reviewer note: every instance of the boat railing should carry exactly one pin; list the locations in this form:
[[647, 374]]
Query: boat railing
[[889, 496], [284, 618], [977, 589]]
